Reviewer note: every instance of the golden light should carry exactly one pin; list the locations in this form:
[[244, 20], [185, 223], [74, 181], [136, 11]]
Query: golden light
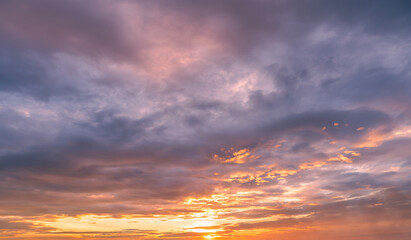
[[203, 226], [209, 236]]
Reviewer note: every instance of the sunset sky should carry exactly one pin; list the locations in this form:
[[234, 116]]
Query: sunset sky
[[205, 119]]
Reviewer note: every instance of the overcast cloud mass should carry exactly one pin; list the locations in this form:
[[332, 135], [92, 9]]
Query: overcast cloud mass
[[210, 119]]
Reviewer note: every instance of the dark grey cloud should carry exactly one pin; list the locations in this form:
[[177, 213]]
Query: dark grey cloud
[[55, 26], [115, 128], [30, 74], [247, 25], [374, 84], [348, 122]]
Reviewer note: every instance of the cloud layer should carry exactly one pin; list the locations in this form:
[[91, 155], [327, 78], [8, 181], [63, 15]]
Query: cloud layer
[[205, 119]]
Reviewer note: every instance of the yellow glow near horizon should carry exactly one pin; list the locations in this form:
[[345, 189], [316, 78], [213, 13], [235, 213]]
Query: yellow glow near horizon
[[209, 236]]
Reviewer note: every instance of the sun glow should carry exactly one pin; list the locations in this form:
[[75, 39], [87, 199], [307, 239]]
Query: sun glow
[[209, 236]]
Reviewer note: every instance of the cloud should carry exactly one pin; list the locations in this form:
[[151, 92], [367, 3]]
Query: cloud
[[201, 119]]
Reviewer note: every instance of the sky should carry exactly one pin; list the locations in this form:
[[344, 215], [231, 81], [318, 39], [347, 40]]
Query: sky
[[209, 119]]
